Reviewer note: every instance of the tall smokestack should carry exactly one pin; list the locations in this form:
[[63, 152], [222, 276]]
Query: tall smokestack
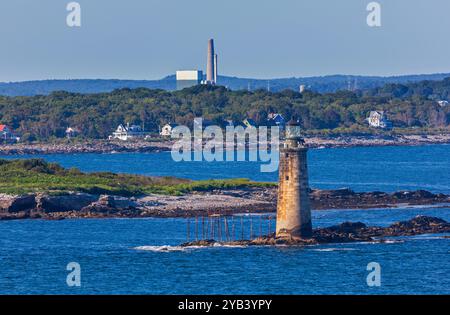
[[210, 63], [215, 69]]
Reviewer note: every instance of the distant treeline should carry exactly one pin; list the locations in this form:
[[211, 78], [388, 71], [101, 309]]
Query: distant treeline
[[97, 115], [322, 84]]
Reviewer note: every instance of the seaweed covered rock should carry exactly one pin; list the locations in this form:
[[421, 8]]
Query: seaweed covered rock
[[348, 232], [418, 225]]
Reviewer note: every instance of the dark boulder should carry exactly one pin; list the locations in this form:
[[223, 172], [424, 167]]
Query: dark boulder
[[14, 204], [418, 225], [414, 195], [347, 227], [334, 193], [63, 203]]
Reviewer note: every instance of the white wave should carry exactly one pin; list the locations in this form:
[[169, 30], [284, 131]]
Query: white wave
[[428, 237], [391, 241], [380, 241], [163, 248], [333, 249], [228, 245], [169, 248]]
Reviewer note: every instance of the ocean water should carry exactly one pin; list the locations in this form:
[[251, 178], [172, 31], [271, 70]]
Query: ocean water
[[142, 256], [360, 168]]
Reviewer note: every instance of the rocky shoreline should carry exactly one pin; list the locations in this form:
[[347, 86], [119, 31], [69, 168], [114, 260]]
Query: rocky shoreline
[[143, 146], [88, 146], [224, 202], [346, 232]]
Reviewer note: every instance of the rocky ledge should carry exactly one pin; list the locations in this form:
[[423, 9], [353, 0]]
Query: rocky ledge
[[87, 146], [157, 145], [225, 202], [347, 232]]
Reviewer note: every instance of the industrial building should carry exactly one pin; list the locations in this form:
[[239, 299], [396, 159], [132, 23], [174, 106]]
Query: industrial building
[[211, 64], [188, 78]]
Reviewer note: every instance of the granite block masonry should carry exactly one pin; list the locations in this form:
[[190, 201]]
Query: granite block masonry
[[293, 208]]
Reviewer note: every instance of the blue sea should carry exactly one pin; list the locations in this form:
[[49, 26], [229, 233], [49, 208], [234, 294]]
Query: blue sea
[[360, 168], [142, 256]]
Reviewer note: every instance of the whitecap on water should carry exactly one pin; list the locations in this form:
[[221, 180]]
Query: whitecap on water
[[391, 241], [333, 249], [228, 245], [378, 241], [428, 237], [169, 248], [163, 248]]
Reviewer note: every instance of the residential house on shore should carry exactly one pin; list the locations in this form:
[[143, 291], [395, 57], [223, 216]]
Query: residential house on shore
[[198, 124], [166, 130], [72, 132], [128, 132], [443, 103], [378, 119], [7, 135]]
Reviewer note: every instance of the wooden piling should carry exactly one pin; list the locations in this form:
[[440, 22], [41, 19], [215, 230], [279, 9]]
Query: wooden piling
[[269, 219], [233, 234], [188, 232], [242, 228], [260, 226], [196, 228], [219, 228], [227, 230], [203, 227]]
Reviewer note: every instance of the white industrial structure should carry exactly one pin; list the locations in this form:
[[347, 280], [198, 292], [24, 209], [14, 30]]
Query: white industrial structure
[[188, 78], [211, 64]]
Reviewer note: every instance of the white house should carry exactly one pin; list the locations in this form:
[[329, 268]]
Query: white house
[[166, 130], [378, 119], [7, 135], [443, 103], [128, 132], [71, 132]]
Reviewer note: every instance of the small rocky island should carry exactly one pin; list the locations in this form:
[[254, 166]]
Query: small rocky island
[[35, 189], [38, 189], [346, 232]]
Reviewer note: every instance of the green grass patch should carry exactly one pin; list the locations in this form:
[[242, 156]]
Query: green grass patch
[[37, 175]]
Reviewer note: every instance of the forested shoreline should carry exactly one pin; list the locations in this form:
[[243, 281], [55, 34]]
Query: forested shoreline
[[409, 106]]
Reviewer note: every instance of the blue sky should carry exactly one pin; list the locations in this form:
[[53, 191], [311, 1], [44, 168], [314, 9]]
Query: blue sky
[[149, 39]]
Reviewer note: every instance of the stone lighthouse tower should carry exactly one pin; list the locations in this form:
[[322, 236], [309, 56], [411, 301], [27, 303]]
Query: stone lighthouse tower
[[293, 210]]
